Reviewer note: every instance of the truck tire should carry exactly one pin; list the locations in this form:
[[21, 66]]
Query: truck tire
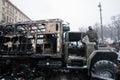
[[103, 69]]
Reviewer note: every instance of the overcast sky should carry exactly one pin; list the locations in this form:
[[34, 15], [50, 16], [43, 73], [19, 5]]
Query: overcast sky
[[78, 13]]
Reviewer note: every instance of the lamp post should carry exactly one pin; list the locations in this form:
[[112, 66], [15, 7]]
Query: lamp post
[[100, 8]]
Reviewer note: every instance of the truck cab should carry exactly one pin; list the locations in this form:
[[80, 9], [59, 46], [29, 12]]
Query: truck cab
[[77, 50]]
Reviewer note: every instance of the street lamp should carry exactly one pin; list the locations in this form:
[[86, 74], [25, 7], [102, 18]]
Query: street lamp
[[100, 8]]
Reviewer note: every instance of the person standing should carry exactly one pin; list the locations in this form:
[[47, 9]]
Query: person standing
[[92, 35]]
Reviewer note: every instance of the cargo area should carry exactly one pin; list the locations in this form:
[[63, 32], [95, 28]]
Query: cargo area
[[31, 38]]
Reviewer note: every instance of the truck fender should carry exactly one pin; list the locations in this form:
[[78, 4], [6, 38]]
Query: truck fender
[[101, 55]]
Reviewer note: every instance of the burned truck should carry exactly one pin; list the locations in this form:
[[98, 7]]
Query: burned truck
[[34, 49]]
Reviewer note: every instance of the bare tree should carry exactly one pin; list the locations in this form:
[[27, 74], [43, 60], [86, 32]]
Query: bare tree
[[111, 30], [82, 29], [116, 23], [96, 26]]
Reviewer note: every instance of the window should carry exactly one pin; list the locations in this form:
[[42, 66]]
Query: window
[[16, 11], [3, 9], [7, 5], [3, 17], [10, 20], [3, 1], [7, 18]]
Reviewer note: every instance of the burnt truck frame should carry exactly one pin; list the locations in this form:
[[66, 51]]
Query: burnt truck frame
[[33, 49]]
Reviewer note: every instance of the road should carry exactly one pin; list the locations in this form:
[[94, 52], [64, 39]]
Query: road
[[66, 76]]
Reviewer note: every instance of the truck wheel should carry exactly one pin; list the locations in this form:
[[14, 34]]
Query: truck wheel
[[103, 69]]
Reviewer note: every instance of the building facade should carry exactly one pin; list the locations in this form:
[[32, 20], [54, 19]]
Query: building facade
[[10, 13]]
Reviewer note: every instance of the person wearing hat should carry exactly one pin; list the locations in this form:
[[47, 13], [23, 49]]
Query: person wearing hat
[[92, 34]]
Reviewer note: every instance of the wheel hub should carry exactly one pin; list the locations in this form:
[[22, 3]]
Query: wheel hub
[[106, 74]]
